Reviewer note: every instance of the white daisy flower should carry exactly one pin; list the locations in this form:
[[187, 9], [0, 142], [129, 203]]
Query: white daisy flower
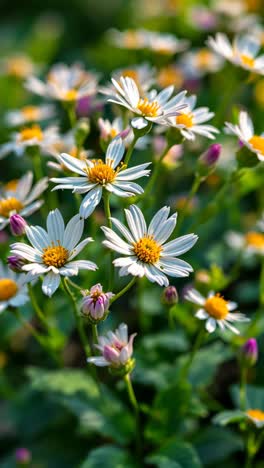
[[191, 121], [65, 144], [29, 114], [110, 130], [13, 291], [53, 251], [241, 52], [17, 65], [245, 132], [128, 39], [163, 43], [198, 62], [256, 416], [116, 348], [143, 75], [153, 107], [216, 311], [97, 175], [64, 83], [145, 250], [250, 243], [21, 198], [28, 137]]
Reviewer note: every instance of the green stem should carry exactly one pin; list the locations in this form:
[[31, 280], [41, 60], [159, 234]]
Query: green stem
[[95, 334], [251, 449], [70, 108], [74, 285], [36, 307], [242, 390], [197, 344], [106, 198], [79, 321], [124, 290], [261, 292], [171, 318], [194, 188], [130, 150], [134, 404]]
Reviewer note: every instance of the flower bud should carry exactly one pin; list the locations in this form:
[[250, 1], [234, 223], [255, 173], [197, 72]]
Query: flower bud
[[17, 225], [82, 130], [23, 456], [249, 353], [15, 263], [95, 303], [210, 157], [169, 296]]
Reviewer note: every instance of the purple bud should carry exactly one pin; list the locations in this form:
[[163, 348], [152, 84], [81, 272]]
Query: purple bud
[[23, 456], [249, 352], [211, 156], [170, 296], [17, 225], [15, 263], [96, 303]]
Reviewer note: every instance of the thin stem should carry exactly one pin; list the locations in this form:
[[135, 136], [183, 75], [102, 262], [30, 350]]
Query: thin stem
[[261, 286], [79, 321], [194, 188], [70, 108], [107, 210], [36, 307], [171, 318], [95, 334], [242, 390], [135, 406], [197, 344], [124, 290], [130, 150], [74, 285]]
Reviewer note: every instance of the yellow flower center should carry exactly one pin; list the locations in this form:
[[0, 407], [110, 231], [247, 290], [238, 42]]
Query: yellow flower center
[[131, 74], [247, 60], [7, 205], [70, 95], [170, 76], [19, 67], [255, 239], [256, 414], [147, 108], [131, 39], [101, 173], [113, 133], [30, 133], [185, 119], [147, 250], [8, 289], [30, 112], [11, 186], [216, 307], [258, 143], [55, 255], [203, 58]]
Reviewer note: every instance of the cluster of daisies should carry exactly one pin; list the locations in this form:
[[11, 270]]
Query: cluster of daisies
[[143, 250]]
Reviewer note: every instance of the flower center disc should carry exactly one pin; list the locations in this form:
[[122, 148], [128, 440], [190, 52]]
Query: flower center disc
[[216, 307], [70, 95], [55, 256], [170, 76], [30, 112], [255, 239], [203, 58], [11, 186], [8, 289], [258, 143], [101, 173], [256, 414], [7, 205], [147, 250], [30, 133], [246, 60], [147, 108], [185, 119]]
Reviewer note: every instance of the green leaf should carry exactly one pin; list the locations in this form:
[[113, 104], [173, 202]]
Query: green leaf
[[180, 454], [108, 456], [216, 443], [227, 417]]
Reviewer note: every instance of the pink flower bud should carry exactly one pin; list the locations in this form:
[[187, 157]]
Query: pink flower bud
[[211, 156], [15, 263], [249, 352], [23, 456], [17, 225], [170, 296], [96, 303]]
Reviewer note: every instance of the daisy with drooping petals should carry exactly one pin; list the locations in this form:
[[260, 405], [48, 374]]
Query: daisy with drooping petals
[[29, 114], [256, 416], [13, 291], [153, 107], [64, 83], [245, 132], [116, 349], [145, 250], [28, 137], [20, 197], [97, 175], [241, 52], [53, 251], [216, 311], [191, 121]]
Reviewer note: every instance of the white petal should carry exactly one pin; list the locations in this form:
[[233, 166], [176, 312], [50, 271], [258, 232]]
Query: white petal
[[90, 202], [115, 151], [201, 314], [55, 226], [50, 283], [210, 325], [73, 232]]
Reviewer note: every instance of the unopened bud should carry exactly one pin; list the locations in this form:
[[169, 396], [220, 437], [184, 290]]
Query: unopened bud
[[17, 225], [23, 456], [249, 353], [82, 130], [170, 296], [15, 263], [210, 157], [95, 303]]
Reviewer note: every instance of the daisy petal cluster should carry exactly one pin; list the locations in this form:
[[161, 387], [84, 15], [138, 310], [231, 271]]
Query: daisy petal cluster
[[29, 114], [246, 134], [160, 43], [53, 251], [13, 290], [215, 310], [97, 175], [20, 197], [143, 75], [145, 250]]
